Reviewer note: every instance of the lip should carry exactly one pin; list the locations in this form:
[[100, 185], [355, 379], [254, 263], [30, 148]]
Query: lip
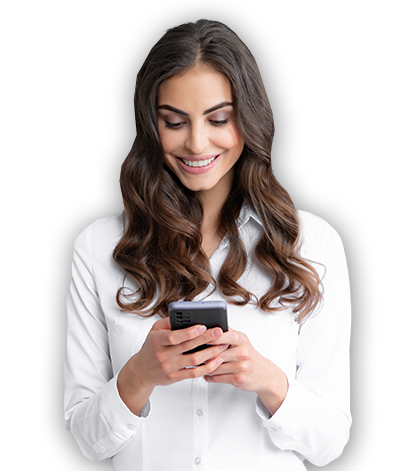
[[198, 170], [196, 158]]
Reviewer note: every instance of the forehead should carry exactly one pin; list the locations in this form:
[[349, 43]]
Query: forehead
[[197, 89]]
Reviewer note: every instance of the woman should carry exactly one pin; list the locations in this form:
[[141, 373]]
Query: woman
[[205, 219]]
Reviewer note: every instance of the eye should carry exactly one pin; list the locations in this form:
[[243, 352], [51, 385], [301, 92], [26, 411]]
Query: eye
[[220, 122], [173, 125]]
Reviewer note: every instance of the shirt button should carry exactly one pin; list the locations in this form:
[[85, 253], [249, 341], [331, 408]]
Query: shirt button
[[130, 426], [199, 412], [197, 460]]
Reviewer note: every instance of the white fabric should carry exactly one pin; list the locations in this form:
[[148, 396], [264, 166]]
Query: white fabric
[[194, 425]]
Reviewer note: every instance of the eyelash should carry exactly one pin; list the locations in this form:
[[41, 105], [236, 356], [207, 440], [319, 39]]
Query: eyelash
[[176, 126]]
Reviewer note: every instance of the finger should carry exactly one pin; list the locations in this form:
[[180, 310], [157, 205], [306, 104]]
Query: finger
[[202, 356], [232, 337], [226, 373], [177, 337], [207, 337], [224, 369], [201, 370]]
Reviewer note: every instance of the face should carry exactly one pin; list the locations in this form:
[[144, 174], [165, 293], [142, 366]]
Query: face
[[197, 130]]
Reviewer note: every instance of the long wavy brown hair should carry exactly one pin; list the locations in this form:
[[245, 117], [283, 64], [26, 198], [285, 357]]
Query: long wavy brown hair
[[161, 247]]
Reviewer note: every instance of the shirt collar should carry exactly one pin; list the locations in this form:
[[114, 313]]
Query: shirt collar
[[247, 212]]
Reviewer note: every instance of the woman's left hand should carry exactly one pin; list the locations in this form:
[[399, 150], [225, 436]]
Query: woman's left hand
[[246, 369]]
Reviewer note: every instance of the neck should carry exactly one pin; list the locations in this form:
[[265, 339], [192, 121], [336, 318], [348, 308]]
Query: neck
[[212, 201]]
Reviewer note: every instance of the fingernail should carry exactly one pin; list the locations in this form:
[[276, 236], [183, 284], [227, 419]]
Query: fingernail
[[201, 329], [217, 333], [219, 361]]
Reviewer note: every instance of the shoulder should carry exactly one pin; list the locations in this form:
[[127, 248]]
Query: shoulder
[[101, 235], [313, 227], [319, 240]]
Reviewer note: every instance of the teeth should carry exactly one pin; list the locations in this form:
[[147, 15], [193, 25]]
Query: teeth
[[198, 163]]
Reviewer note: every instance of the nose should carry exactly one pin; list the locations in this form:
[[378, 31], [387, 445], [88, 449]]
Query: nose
[[197, 139]]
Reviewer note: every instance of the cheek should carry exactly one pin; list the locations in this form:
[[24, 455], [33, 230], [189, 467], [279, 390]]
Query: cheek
[[230, 139], [165, 141]]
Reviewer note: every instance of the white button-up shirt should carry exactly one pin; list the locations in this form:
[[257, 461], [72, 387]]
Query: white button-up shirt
[[200, 426]]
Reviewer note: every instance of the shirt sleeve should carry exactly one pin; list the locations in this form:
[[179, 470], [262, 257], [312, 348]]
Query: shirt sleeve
[[314, 419], [94, 412]]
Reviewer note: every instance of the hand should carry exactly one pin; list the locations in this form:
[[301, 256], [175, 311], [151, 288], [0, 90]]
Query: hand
[[160, 361], [246, 369]]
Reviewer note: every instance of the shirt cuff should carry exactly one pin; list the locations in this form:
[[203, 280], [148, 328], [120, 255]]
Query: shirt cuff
[[286, 426], [122, 422]]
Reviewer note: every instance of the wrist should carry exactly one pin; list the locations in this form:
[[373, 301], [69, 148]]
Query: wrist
[[133, 391], [273, 395]]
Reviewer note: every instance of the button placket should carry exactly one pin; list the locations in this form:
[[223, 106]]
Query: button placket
[[200, 422]]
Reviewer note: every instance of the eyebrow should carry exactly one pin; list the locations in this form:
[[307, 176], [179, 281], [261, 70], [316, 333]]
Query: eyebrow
[[183, 113]]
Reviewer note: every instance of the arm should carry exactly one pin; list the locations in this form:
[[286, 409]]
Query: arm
[[94, 413], [314, 419], [104, 412], [308, 414]]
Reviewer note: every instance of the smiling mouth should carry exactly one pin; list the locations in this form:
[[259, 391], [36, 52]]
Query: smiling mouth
[[198, 163]]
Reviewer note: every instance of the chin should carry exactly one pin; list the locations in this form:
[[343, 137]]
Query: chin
[[198, 186]]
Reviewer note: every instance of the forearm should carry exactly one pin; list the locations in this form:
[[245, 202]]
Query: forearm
[[273, 395], [132, 389]]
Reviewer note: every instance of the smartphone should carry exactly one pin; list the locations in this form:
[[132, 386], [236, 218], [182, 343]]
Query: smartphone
[[183, 314]]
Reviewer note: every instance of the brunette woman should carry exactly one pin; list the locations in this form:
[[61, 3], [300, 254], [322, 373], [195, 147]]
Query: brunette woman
[[205, 219]]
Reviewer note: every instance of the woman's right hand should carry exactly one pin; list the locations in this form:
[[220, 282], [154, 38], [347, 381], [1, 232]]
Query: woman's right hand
[[160, 361]]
